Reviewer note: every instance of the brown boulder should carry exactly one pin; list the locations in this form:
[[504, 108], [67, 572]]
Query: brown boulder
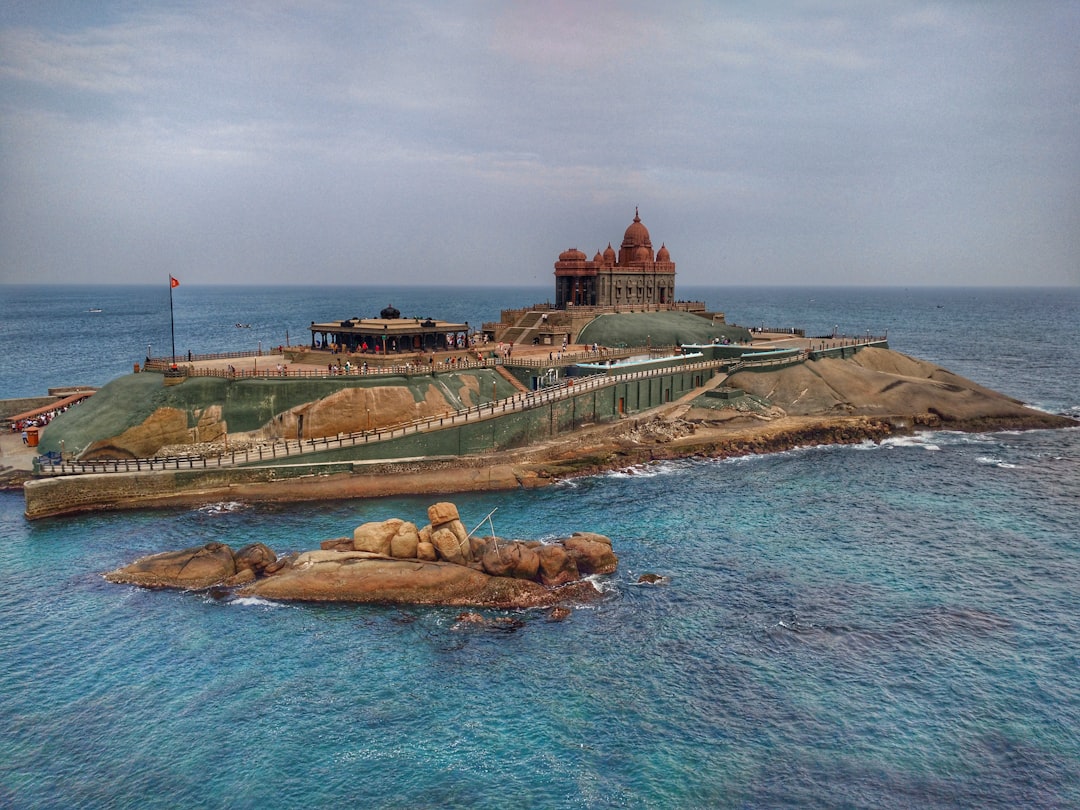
[[477, 547], [592, 553], [254, 557], [337, 544], [462, 535], [652, 579], [282, 562], [449, 546], [376, 580], [557, 566], [443, 512], [404, 543], [241, 577], [426, 552], [191, 568], [515, 560], [375, 537]]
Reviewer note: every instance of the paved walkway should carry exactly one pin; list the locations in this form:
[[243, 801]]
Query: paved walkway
[[15, 454]]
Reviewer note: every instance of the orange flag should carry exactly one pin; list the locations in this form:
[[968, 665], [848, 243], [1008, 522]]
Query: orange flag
[[173, 282]]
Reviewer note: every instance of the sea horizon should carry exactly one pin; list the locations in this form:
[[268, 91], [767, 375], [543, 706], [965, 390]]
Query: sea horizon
[[883, 625]]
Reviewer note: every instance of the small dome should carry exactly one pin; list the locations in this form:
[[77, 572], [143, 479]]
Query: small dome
[[609, 254], [571, 255], [636, 234], [642, 254], [662, 255], [598, 258]]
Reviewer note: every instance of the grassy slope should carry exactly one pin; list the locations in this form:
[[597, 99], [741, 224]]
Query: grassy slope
[[246, 404], [656, 328]]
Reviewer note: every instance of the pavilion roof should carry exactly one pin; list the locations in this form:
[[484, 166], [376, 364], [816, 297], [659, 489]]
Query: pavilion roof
[[389, 326]]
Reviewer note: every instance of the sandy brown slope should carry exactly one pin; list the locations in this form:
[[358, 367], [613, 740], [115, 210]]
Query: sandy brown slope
[[879, 382]]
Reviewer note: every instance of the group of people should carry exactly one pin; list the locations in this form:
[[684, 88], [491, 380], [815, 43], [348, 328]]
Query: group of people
[[39, 421], [347, 368]]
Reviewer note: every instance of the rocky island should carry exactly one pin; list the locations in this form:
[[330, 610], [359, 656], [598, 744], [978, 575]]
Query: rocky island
[[617, 373], [393, 562]]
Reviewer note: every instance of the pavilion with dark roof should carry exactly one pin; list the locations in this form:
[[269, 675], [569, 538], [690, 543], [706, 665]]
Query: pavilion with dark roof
[[390, 333]]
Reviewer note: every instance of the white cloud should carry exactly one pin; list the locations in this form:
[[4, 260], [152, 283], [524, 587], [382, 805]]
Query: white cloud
[[791, 131]]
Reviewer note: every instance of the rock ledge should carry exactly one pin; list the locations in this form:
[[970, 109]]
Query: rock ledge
[[393, 562]]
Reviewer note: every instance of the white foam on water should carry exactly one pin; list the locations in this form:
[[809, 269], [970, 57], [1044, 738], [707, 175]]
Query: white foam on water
[[222, 507], [651, 470], [254, 601], [924, 440], [996, 462], [865, 444], [602, 583]]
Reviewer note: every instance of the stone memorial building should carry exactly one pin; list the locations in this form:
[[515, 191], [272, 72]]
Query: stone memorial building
[[633, 277]]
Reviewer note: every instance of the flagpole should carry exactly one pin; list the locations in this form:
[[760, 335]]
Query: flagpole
[[172, 322]]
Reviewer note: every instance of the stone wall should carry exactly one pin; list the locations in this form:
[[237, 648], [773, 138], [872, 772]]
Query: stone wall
[[450, 460], [73, 494]]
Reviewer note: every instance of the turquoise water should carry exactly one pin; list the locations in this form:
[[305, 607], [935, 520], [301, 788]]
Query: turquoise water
[[863, 626]]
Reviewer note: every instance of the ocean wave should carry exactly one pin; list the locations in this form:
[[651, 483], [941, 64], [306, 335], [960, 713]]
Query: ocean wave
[[927, 441], [254, 601], [996, 462], [222, 507], [602, 583], [650, 470]]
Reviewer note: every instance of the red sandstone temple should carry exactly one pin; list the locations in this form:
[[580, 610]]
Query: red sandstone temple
[[633, 278]]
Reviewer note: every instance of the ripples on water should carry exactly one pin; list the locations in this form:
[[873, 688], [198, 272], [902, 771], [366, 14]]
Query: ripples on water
[[888, 626], [876, 626]]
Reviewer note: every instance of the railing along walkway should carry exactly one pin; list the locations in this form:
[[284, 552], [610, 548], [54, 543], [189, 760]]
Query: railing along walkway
[[358, 367], [297, 448]]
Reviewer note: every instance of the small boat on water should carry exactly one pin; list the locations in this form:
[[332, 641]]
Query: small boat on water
[[94, 309]]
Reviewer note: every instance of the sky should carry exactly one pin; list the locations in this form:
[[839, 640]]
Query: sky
[[469, 143]]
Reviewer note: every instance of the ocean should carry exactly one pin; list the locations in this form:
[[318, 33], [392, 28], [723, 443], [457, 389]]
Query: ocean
[[879, 626]]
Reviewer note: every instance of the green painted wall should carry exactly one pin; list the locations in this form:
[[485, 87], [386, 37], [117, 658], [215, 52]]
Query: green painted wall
[[524, 427], [247, 404]]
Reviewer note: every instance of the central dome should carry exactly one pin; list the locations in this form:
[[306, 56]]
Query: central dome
[[637, 234]]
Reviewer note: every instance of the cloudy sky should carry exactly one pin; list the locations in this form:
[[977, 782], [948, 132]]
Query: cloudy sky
[[813, 142]]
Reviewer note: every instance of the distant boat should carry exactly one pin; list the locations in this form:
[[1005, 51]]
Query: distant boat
[[243, 326], [93, 309]]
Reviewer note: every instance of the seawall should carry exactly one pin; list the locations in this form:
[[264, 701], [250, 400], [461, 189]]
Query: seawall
[[454, 459], [74, 494]]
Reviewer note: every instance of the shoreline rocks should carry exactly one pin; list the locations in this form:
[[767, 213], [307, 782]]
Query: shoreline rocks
[[391, 562]]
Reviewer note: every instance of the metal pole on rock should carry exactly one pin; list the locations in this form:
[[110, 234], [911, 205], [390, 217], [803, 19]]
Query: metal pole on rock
[[172, 323]]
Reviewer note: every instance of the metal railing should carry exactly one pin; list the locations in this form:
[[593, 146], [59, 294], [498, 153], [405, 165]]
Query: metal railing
[[362, 369], [297, 448]]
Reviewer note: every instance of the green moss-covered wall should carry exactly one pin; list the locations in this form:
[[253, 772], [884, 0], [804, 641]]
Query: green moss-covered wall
[[247, 404], [656, 329], [521, 428]]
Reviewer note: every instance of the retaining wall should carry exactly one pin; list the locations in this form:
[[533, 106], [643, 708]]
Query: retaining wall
[[448, 460]]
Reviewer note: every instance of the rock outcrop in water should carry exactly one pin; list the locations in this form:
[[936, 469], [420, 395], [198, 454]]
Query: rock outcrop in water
[[881, 382], [393, 561]]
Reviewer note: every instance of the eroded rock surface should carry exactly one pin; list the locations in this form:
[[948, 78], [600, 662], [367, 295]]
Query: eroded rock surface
[[391, 562]]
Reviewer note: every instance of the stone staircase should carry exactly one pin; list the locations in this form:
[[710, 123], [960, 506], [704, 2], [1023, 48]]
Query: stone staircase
[[510, 378], [523, 329], [678, 408]]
